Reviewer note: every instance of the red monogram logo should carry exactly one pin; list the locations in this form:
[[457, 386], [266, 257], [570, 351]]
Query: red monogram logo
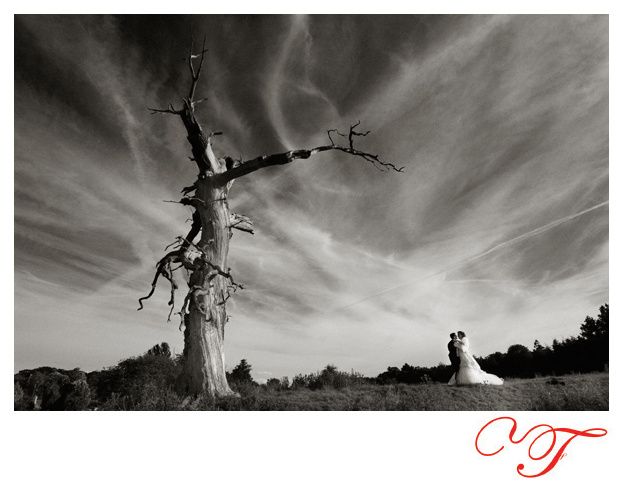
[[536, 434]]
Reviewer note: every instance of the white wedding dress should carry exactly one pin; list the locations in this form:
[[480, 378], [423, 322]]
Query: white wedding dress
[[470, 372]]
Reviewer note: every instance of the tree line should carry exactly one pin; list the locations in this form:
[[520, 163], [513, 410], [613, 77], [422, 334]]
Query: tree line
[[148, 381], [587, 352]]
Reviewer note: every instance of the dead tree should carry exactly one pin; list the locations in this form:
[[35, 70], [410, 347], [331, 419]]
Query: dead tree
[[210, 282]]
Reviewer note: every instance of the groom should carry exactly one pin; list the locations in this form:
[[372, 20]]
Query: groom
[[453, 354]]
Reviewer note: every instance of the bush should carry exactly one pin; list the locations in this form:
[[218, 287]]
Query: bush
[[240, 379], [20, 400], [138, 383], [241, 373], [276, 384], [78, 397], [48, 388], [329, 377]]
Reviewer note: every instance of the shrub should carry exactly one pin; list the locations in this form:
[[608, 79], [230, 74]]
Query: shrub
[[329, 377], [20, 399], [139, 382], [241, 373], [275, 384], [51, 389], [78, 397]]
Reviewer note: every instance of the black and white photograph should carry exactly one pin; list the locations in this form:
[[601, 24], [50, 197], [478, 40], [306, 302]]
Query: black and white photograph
[[311, 212]]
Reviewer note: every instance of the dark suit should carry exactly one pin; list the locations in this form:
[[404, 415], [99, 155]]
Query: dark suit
[[453, 356]]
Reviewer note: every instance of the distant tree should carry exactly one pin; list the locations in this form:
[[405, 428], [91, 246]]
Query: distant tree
[[242, 373], [329, 377], [595, 340], [284, 383], [596, 328], [440, 373], [391, 375], [518, 350], [277, 384], [302, 381], [160, 350], [518, 361], [273, 384], [541, 359]]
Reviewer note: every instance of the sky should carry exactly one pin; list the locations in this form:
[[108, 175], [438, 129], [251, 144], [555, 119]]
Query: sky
[[498, 225]]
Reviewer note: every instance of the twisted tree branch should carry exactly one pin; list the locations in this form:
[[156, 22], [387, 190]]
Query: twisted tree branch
[[290, 156], [227, 275], [187, 201], [241, 222], [163, 268], [189, 189], [182, 311], [169, 110]]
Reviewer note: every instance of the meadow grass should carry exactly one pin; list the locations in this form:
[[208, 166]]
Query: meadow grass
[[570, 392]]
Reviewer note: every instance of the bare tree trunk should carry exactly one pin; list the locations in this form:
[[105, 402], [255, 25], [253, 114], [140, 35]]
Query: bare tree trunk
[[203, 370], [204, 357]]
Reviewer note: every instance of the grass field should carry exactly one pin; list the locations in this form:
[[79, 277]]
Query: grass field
[[572, 392], [149, 391]]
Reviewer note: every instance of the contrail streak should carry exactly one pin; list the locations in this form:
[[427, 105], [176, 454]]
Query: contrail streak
[[509, 242]]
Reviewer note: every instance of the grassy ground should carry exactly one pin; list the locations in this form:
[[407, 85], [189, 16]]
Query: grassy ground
[[572, 392], [148, 392]]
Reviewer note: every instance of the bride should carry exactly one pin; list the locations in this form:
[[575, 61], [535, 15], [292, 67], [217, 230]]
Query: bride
[[470, 372]]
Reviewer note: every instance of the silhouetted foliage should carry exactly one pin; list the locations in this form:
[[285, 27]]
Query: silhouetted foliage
[[329, 377], [160, 350], [278, 384], [240, 379], [241, 373], [48, 388], [20, 400], [410, 374], [135, 380]]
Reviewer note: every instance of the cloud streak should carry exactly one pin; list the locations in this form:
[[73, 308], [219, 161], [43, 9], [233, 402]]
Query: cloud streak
[[501, 121], [504, 244]]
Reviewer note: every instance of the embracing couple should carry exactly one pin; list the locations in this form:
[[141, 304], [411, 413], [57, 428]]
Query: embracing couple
[[466, 369]]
